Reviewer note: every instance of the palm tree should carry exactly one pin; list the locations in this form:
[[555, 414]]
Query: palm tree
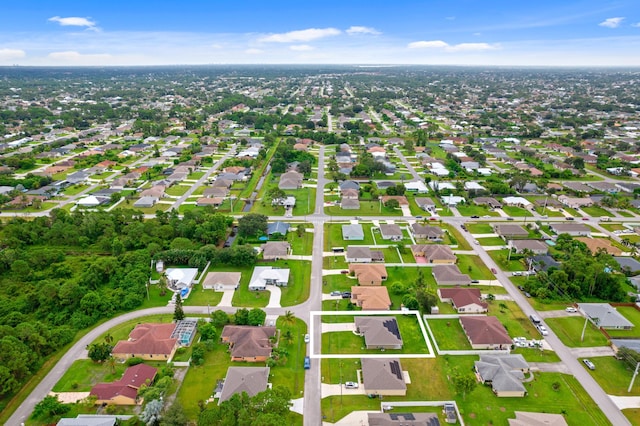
[[111, 362], [108, 338], [289, 318], [162, 284]]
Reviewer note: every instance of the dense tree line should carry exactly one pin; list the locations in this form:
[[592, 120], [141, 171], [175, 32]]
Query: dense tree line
[[67, 271]]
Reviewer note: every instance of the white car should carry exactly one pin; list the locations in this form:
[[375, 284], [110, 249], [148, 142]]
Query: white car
[[571, 309], [542, 329], [307, 338], [351, 385]]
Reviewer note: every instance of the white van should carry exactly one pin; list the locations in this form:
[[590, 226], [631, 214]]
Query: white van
[[534, 319]]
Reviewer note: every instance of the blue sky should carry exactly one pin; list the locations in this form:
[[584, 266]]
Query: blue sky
[[457, 32]]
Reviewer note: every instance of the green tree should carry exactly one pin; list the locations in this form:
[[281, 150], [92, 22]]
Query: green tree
[[49, 407], [392, 204], [463, 383], [252, 225], [198, 353], [174, 416], [426, 299], [256, 316], [219, 318], [289, 318], [99, 352], [178, 312]]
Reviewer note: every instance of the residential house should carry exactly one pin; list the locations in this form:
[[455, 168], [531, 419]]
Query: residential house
[[449, 275], [92, 201], [426, 232], [433, 253], [157, 191], [401, 199], [371, 298], [290, 180], [277, 228], [77, 177], [573, 229], [391, 232], [209, 201], [349, 184], [452, 200], [517, 202], [352, 194], [464, 300], [251, 380], [362, 254], [379, 332], [146, 202], [534, 246], [575, 202], [417, 186], [212, 192], [504, 373], [287, 202], [628, 264], [604, 315], [368, 274], [152, 342], [352, 232], [383, 376], [485, 332], [508, 231], [222, 281], [268, 275], [542, 262], [125, 390], [525, 418], [596, 244], [221, 183], [426, 203], [488, 201], [349, 204], [93, 420], [274, 250], [248, 343]]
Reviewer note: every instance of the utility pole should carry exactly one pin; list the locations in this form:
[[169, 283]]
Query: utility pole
[[635, 373]]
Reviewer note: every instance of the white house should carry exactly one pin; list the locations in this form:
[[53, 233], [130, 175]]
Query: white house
[[268, 275]]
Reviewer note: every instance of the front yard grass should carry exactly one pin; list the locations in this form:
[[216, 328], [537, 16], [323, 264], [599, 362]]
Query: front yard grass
[[367, 208], [501, 257], [614, 376], [84, 374], [514, 211], [346, 342], [513, 319], [474, 266], [301, 245], [596, 211], [177, 190], [475, 210], [569, 330], [537, 355], [201, 297], [479, 228], [491, 241], [449, 334], [333, 236]]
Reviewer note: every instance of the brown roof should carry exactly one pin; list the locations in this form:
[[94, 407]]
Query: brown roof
[[148, 339], [600, 243], [515, 230], [400, 198], [224, 278], [435, 251], [128, 385], [248, 341], [275, 248], [379, 331], [251, 380], [463, 296], [371, 298], [449, 274], [429, 231], [485, 330], [367, 272]]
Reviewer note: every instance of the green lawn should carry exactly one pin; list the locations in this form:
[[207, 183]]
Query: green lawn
[[614, 376], [479, 228], [301, 245], [291, 374], [296, 292], [513, 319], [367, 208], [474, 266], [305, 204], [334, 262], [333, 236], [501, 257], [548, 212], [482, 407], [407, 275], [341, 282], [202, 297], [536, 355], [456, 237], [195, 175], [74, 189], [177, 190], [491, 241], [84, 374], [514, 211], [475, 210], [345, 342], [596, 211], [569, 330], [449, 334], [633, 414]]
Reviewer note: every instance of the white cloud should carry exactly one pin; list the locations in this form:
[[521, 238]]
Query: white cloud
[[74, 21], [301, 47], [253, 51], [77, 57], [637, 25], [438, 44], [611, 22], [301, 35], [461, 47], [11, 54], [362, 30]]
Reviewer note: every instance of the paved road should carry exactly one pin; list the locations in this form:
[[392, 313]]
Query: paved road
[[416, 176], [312, 408]]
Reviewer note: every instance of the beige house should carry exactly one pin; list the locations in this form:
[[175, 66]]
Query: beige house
[[371, 298], [368, 274], [379, 332], [251, 380], [464, 300], [221, 281], [434, 253], [151, 342], [248, 343], [274, 250]]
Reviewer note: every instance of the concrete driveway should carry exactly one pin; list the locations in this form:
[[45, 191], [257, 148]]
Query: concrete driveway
[[340, 326], [592, 352]]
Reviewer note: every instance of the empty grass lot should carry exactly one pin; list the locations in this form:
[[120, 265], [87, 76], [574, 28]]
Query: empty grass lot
[[501, 257], [473, 265], [513, 319], [614, 376], [595, 211], [474, 210], [491, 241], [333, 236], [346, 342], [84, 374], [537, 355], [479, 228], [449, 334], [367, 208], [569, 330]]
